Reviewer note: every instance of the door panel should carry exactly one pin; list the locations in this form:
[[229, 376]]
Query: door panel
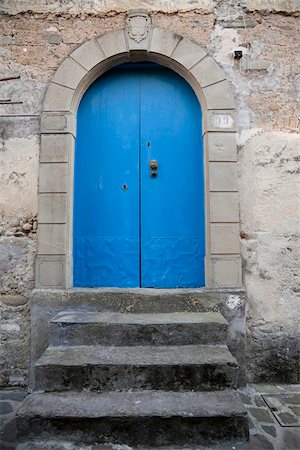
[[172, 203], [131, 229], [106, 207]]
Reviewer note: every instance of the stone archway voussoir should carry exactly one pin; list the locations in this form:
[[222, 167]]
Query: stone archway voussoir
[[69, 73], [219, 96], [89, 54], [207, 72], [188, 54], [113, 43], [58, 98]]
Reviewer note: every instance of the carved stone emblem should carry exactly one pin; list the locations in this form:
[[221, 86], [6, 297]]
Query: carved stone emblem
[[138, 25]]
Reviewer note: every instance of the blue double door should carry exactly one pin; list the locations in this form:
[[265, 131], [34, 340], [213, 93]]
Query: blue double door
[[138, 183]]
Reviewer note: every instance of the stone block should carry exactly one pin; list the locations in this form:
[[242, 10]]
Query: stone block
[[219, 96], [139, 47], [71, 40], [58, 98], [53, 38], [220, 120], [53, 177], [224, 238], [56, 147], [223, 176], [221, 146], [225, 272], [111, 368], [207, 72], [239, 22], [224, 207], [9, 327], [52, 239], [6, 40], [92, 328], [113, 43], [50, 272], [69, 73], [143, 419], [188, 53], [52, 208], [261, 415], [13, 300], [163, 42], [6, 407], [254, 64], [88, 55], [58, 122]]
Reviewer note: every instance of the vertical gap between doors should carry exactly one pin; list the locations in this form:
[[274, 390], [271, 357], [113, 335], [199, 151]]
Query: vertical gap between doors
[[140, 184]]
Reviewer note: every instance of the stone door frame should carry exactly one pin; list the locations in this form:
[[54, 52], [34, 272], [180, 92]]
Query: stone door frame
[[58, 133]]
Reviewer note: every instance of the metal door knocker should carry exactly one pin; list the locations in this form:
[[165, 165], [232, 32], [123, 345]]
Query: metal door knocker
[[153, 167]]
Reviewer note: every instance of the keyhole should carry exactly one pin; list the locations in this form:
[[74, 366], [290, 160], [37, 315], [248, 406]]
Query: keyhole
[[124, 187], [148, 144]]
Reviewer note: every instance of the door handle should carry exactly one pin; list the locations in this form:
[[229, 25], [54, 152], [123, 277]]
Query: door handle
[[153, 166]]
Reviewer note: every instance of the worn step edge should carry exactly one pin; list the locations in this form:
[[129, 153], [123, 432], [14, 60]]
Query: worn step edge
[[78, 317], [134, 300], [147, 418], [89, 328], [84, 355], [132, 404]]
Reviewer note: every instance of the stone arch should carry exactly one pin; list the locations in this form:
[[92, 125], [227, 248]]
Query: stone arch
[[58, 133]]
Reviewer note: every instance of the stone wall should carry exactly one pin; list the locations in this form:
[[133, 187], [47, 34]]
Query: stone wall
[[37, 36]]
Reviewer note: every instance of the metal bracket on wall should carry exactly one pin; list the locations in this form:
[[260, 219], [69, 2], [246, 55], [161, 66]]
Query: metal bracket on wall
[[9, 100]]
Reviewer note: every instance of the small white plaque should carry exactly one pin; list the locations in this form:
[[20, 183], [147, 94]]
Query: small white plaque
[[223, 121]]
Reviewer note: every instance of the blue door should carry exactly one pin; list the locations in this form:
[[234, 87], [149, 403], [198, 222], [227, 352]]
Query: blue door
[[139, 182]]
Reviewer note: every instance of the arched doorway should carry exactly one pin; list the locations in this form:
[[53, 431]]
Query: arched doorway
[[139, 182], [89, 61]]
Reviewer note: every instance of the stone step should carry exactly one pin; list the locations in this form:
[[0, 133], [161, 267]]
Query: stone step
[[177, 328], [133, 300], [104, 368], [150, 418]]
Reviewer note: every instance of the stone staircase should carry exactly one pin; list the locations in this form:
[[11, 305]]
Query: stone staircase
[[141, 379]]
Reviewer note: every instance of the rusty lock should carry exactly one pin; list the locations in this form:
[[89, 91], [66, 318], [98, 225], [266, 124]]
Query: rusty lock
[[153, 166]]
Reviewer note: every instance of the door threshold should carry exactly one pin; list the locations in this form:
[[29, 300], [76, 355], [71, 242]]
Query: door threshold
[[148, 291]]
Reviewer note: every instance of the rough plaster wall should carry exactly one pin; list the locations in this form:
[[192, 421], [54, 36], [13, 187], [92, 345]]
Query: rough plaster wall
[[268, 142], [103, 6], [266, 86], [32, 47], [19, 149], [269, 195], [167, 6]]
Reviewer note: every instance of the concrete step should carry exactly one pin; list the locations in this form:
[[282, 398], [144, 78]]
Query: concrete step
[[177, 328], [105, 368], [150, 418]]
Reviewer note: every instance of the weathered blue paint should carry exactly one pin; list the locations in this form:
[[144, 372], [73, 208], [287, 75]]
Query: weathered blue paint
[[106, 217], [172, 204], [131, 229]]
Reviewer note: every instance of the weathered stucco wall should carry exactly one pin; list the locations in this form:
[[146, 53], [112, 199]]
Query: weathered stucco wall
[[167, 6], [37, 35]]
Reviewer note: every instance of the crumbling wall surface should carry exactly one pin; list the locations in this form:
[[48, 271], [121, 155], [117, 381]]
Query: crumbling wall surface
[[35, 38], [265, 82], [270, 212], [32, 47], [166, 6], [19, 148]]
